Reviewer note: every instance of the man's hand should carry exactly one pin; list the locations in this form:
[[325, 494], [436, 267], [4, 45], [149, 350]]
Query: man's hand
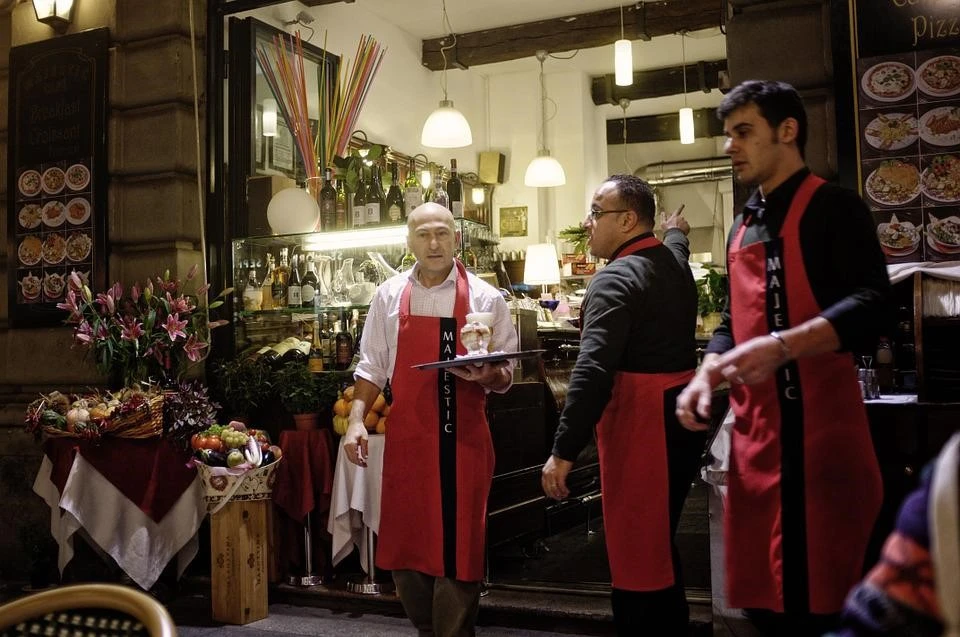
[[693, 403], [751, 362], [490, 375], [554, 477], [676, 220], [355, 443]]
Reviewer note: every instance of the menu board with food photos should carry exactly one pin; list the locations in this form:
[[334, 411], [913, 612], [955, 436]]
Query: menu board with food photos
[[57, 172], [908, 107]]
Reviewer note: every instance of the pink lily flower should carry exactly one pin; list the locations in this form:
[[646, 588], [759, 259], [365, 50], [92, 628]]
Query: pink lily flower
[[194, 348], [132, 329], [174, 327]]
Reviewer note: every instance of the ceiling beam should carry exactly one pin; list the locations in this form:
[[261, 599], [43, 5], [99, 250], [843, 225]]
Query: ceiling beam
[[581, 31], [701, 76], [663, 128]]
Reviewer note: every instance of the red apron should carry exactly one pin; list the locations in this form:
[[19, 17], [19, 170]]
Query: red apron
[[632, 448], [804, 484], [438, 457]]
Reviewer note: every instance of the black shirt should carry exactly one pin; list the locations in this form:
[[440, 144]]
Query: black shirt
[[842, 257], [639, 315]]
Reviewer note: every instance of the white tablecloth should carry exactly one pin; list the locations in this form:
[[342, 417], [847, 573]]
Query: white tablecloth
[[355, 503], [140, 546]]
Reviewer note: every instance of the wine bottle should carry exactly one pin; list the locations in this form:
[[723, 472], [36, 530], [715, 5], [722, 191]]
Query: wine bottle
[[252, 296], [298, 352], [342, 210], [294, 287], [440, 194], [343, 344], [328, 202], [281, 277], [316, 349], [455, 190], [374, 200], [395, 202], [360, 202], [266, 288], [325, 342], [310, 285], [412, 190]]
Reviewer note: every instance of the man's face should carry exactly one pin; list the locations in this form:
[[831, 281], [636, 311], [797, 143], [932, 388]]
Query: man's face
[[604, 223], [432, 239], [753, 145]]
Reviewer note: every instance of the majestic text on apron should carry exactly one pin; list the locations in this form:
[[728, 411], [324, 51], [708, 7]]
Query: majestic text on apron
[[632, 448], [804, 484], [438, 457]]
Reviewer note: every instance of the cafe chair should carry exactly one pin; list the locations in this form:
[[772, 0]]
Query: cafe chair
[[87, 609]]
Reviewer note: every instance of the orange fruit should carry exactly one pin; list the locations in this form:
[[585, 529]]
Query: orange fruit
[[370, 422], [348, 393], [382, 425], [385, 411], [379, 404], [341, 408]]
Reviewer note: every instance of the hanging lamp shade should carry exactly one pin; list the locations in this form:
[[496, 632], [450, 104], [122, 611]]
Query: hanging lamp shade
[[686, 126], [623, 63], [544, 171], [446, 127]]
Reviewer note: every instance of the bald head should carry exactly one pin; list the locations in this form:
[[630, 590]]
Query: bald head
[[432, 237], [429, 211]]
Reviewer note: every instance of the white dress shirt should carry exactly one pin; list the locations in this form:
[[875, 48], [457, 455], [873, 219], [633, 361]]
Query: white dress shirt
[[378, 345]]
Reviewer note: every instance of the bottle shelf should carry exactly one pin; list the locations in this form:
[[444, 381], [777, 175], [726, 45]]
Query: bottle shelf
[[317, 309]]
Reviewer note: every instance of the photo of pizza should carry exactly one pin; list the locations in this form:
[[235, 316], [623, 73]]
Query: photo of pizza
[[941, 126], [29, 216], [30, 250], [53, 213], [54, 248], [891, 131], [941, 179], [78, 176], [53, 180], [29, 183], [888, 81], [940, 76], [78, 211], [893, 183], [78, 246]]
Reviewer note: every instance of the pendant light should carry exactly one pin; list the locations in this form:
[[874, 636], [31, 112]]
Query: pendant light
[[622, 57], [446, 127], [544, 171], [269, 123], [686, 113]]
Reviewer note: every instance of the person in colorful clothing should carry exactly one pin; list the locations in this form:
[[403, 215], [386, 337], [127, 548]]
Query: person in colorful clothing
[[637, 350], [438, 459], [808, 284]]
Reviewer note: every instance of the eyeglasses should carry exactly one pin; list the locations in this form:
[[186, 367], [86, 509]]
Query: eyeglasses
[[596, 213]]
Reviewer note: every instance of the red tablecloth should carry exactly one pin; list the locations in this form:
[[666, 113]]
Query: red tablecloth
[[152, 473]]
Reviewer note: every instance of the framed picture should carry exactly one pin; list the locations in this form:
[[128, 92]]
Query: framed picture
[[281, 155], [513, 221]]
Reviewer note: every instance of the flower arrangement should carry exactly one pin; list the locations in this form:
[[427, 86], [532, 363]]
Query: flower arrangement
[[142, 334]]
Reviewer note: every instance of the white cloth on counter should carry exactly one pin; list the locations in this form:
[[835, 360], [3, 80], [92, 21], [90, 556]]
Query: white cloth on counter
[[355, 502], [139, 545], [941, 270], [715, 472]]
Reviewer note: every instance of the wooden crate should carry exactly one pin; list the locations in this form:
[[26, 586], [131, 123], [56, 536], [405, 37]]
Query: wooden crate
[[239, 551]]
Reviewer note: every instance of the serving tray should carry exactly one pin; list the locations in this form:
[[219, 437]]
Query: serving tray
[[461, 361]]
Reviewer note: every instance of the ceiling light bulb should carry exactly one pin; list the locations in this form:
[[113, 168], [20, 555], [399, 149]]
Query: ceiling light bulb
[[623, 62], [686, 125]]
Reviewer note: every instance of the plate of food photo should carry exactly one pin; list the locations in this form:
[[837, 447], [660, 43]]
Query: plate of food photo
[[941, 126], [943, 235], [30, 250], [53, 180], [898, 238], [29, 183], [78, 246], [940, 76], [30, 286], [888, 81], [891, 131], [941, 179], [29, 216], [893, 183], [53, 284], [54, 248], [53, 213], [78, 176], [78, 211]]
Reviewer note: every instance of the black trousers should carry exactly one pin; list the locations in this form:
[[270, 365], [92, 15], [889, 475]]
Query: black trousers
[[665, 612], [771, 624]]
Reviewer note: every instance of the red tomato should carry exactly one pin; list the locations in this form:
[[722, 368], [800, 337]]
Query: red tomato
[[198, 441], [212, 442]]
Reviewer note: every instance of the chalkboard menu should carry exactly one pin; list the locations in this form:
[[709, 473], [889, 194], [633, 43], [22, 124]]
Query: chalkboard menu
[[907, 65], [56, 173]]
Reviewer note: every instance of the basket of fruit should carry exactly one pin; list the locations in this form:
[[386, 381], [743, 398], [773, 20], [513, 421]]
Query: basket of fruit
[[234, 463], [129, 413], [375, 421]]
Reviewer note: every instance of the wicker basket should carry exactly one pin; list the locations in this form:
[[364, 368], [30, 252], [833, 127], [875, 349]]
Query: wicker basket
[[221, 486], [144, 422]]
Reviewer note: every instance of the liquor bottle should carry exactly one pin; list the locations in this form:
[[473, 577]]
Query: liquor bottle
[[299, 352], [252, 295], [455, 190], [310, 285], [342, 210], [281, 277], [343, 344], [328, 202], [439, 194], [374, 200], [325, 342], [412, 190], [360, 202], [316, 350], [266, 288], [395, 203], [294, 286]]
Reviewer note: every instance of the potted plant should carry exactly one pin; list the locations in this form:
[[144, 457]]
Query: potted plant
[[300, 394], [577, 236], [243, 385], [711, 298]]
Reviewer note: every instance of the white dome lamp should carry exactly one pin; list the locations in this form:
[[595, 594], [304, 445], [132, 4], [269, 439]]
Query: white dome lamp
[[544, 171], [446, 127]]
